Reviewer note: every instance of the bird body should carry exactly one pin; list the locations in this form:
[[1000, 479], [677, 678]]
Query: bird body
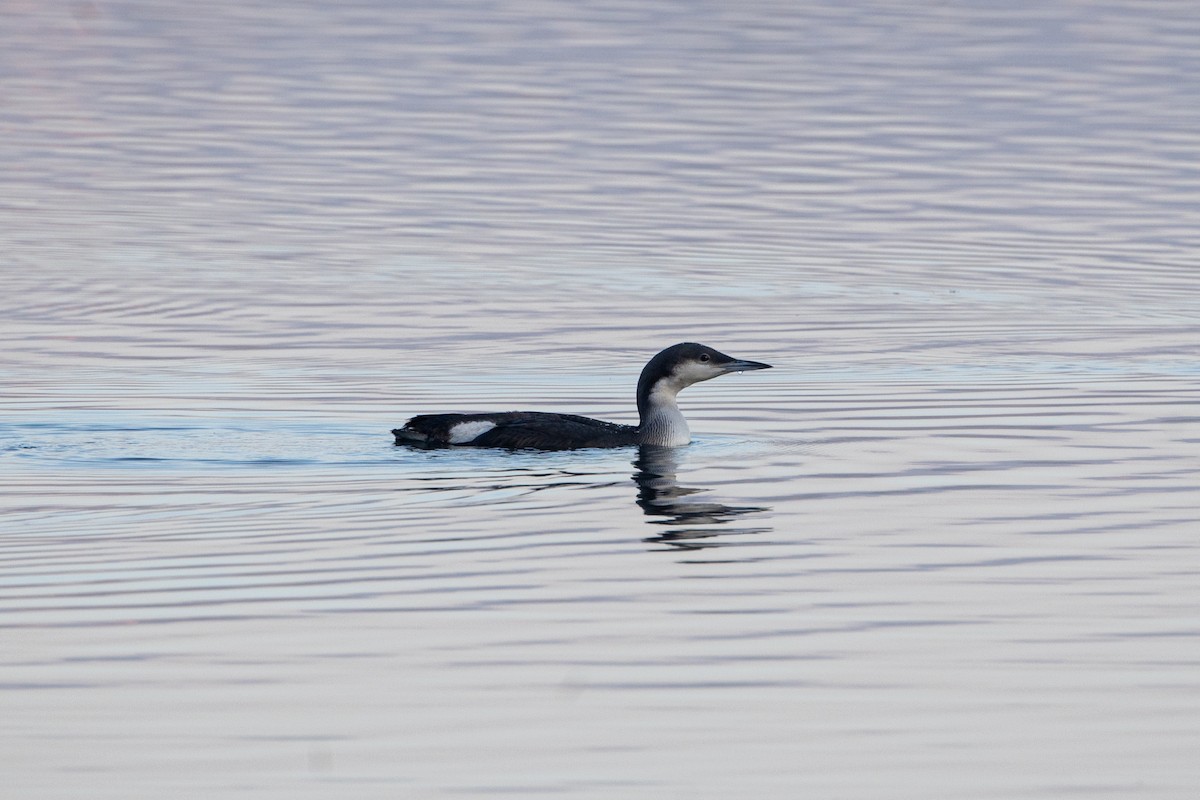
[[660, 420], [538, 430]]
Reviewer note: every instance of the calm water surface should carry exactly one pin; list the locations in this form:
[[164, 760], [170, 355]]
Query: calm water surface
[[948, 548]]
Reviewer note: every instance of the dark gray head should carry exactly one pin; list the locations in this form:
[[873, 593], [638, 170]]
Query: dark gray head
[[681, 365]]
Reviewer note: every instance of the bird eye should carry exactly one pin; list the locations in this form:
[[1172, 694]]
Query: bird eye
[[704, 356]]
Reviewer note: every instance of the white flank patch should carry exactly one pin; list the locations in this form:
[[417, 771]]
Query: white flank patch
[[465, 432]]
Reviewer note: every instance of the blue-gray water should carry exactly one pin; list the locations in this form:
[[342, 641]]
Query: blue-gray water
[[948, 548]]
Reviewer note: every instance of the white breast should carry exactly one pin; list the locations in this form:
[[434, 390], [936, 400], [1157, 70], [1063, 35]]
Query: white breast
[[465, 432]]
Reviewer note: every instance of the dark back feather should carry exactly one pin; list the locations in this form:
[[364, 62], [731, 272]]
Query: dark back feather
[[519, 430]]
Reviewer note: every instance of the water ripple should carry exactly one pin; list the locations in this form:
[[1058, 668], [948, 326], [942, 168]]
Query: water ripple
[[945, 548]]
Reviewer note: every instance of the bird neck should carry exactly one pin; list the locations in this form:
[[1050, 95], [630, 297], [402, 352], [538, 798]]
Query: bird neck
[[661, 422]]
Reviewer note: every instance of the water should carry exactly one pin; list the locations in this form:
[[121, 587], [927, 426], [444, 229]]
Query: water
[[948, 547]]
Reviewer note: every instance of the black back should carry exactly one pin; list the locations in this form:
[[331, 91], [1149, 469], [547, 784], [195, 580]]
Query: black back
[[517, 430], [547, 431]]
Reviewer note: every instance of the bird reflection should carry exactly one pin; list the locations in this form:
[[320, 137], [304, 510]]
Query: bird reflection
[[694, 523]]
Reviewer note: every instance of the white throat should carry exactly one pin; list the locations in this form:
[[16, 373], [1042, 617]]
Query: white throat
[[663, 424]]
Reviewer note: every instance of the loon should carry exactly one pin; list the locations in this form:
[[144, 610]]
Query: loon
[[661, 422]]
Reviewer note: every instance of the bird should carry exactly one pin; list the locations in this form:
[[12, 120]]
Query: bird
[[660, 422]]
